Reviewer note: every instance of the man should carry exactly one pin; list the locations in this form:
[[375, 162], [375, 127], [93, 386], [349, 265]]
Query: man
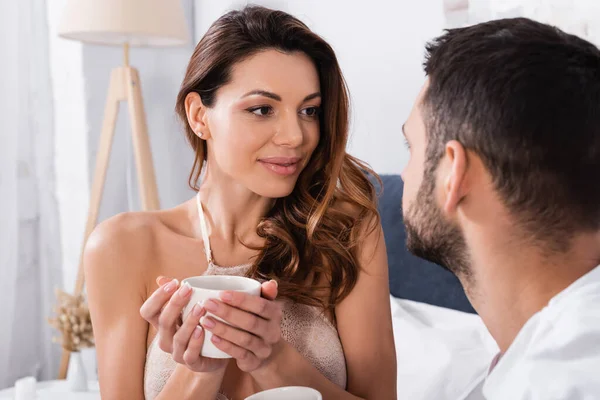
[[503, 189]]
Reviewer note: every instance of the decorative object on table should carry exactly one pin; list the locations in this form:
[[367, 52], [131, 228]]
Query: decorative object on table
[[77, 376], [122, 23], [25, 388], [74, 324]]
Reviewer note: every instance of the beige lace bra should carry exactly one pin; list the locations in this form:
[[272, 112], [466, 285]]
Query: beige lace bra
[[304, 327]]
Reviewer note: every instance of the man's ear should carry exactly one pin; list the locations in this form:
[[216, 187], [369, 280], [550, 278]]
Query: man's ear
[[455, 182], [196, 115]]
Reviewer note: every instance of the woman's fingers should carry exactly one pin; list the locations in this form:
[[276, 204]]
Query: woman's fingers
[[192, 356], [269, 290], [172, 311], [182, 338], [151, 309], [267, 309], [246, 360], [163, 280], [170, 315], [238, 337], [242, 319]]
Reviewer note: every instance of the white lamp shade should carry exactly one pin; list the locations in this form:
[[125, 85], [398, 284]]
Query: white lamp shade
[[116, 22]]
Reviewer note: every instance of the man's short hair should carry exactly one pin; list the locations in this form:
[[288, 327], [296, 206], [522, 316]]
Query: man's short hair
[[525, 97]]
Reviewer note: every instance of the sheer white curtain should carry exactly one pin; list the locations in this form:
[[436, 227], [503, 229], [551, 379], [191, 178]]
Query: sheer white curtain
[[30, 260]]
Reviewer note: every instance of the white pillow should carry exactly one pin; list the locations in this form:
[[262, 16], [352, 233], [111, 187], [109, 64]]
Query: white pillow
[[442, 353]]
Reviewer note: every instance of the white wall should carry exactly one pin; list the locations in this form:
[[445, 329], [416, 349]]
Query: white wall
[[380, 47]]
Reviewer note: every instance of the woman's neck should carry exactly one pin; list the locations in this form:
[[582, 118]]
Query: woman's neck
[[232, 211]]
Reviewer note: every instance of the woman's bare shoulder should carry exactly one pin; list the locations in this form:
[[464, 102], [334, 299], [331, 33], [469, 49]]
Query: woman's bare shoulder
[[129, 239], [125, 231]]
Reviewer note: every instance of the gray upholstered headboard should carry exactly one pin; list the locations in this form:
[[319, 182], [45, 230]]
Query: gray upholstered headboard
[[411, 277]]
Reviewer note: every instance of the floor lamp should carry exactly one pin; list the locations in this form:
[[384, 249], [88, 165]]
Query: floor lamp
[[122, 23]]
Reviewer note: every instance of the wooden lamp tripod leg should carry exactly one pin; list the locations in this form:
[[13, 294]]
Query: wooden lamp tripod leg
[[141, 141], [124, 85], [116, 93]]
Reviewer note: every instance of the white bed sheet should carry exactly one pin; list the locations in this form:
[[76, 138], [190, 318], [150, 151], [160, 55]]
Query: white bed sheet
[[442, 353]]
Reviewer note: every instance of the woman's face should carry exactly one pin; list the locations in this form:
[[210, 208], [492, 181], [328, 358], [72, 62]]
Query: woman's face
[[264, 125]]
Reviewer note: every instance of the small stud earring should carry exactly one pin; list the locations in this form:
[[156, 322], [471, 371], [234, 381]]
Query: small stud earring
[[199, 133]]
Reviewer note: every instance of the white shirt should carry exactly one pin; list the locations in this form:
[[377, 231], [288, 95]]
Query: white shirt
[[556, 355]]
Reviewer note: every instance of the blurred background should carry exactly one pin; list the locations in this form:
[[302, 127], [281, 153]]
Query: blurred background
[[52, 97]]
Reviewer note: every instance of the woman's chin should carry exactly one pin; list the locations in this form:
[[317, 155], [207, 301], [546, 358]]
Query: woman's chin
[[275, 190]]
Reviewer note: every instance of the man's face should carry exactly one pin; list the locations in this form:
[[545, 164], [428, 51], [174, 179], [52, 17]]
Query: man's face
[[429, 232]]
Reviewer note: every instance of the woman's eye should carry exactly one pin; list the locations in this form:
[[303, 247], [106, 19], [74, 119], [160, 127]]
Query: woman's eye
[[261, 111], [311, 111]]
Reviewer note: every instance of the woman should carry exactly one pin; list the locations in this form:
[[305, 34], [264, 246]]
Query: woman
[[266, 110]]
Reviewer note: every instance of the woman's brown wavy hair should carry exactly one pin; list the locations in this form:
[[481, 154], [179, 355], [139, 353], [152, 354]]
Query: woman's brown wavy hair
[[314, 232]]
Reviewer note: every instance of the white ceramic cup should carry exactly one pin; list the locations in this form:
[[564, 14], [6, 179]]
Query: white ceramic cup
[[209, 287], [288, 393]]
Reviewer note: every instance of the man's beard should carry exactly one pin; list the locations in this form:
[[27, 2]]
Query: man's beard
[[430, 236]]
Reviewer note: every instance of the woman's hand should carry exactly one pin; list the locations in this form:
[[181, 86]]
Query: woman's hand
[[183, 340], [256, 332]]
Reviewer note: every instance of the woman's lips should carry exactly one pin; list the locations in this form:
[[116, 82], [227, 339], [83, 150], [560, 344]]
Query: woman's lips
[[283, 166]]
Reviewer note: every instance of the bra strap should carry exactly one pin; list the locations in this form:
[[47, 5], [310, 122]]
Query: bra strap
[[204, 230]]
